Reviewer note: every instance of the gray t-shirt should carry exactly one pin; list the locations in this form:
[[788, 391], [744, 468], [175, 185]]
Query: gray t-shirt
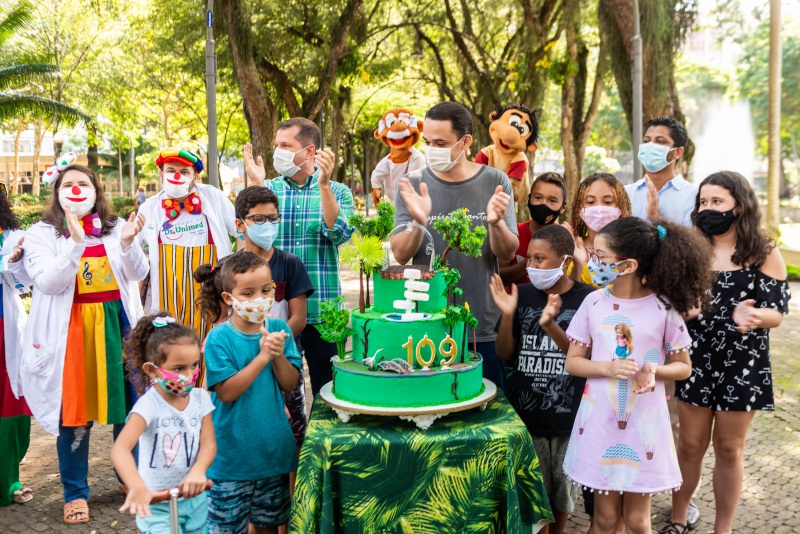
[[446, 197]]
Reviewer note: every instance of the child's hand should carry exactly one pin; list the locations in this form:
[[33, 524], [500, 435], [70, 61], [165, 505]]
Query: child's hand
[[193, 484], [505, 302], [272, 344], [551, 310], [621, 368], [646, 379], [138, 501], [580, 255]]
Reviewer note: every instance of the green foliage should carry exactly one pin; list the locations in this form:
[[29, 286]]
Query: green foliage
[[334, 329], [365, 253], [457, 230], [379, 226], [438, 264], [793, 272], [451, 277]]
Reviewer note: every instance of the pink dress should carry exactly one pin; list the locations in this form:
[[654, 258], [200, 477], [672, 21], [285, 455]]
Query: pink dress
[[622, 441]]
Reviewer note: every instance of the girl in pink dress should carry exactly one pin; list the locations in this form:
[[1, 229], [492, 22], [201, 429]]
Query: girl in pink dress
[[625, 452]]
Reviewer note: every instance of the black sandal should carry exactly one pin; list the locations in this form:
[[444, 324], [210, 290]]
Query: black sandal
[[674, 528]]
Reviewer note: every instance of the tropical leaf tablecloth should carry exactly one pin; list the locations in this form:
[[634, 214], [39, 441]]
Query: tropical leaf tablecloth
[[471, 472]]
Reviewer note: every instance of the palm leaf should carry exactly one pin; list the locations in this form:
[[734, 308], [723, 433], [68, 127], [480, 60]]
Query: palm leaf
[[17, 19], [19, 75], [13, 105]]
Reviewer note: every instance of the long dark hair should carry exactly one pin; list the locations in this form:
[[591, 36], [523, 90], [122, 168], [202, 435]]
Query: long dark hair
[[54, 214], [8, 219], [621, 199], [752, 244], [677, 267]]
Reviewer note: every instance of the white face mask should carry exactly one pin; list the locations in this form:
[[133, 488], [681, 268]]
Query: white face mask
[[253, 311], [177, 185], [439, 158], [544, 279], [283, 161], [80, 200]]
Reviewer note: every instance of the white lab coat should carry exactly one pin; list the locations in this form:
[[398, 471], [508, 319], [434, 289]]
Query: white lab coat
[[52, 264], [15, 282], [221, 217]]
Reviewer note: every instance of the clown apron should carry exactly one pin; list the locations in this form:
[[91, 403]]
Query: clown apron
[[94, 384], [177, 288]]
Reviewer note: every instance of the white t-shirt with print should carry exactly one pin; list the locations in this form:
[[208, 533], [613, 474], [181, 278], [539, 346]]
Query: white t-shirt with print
[[168, 446], [187, 230]]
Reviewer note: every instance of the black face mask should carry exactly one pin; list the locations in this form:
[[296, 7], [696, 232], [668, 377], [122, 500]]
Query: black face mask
[[542, 214], [712, 222]]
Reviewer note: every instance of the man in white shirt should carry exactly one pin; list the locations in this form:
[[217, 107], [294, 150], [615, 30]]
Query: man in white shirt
[[663, 189]]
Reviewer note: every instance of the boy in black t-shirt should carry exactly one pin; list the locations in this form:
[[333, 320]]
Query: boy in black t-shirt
[[531, 339]]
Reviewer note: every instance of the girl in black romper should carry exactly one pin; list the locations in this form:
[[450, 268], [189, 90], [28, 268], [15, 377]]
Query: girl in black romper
[[731, 376]]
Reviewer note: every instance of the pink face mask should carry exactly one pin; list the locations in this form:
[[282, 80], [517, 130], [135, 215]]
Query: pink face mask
[[175, 383], [596, 217]]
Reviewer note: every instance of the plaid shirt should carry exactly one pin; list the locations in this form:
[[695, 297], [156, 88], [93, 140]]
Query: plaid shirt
[[303, 233]]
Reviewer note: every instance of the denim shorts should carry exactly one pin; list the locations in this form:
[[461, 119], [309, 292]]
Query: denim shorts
[[192, 513], [234, 504]]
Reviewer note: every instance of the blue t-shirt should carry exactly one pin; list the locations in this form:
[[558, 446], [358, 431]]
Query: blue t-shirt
[[254, 439]]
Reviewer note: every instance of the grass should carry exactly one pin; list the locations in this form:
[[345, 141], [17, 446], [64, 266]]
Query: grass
[[794, 272]]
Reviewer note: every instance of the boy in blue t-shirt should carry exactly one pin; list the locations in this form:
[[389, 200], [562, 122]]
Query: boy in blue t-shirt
[[250, 359], [531, 339]]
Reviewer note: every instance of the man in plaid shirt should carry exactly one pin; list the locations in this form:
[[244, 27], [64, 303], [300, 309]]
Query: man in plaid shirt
[[313, 224]]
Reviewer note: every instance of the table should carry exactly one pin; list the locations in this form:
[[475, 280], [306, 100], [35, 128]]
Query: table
[[473, 471]]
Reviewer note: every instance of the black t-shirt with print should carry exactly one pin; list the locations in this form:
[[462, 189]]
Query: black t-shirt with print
[[545, 396]]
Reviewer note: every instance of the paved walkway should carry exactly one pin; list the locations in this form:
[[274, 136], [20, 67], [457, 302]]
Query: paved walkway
[[769, 501]]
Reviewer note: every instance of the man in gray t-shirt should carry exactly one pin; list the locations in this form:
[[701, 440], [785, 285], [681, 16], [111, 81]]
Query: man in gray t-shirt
[[451, 182]]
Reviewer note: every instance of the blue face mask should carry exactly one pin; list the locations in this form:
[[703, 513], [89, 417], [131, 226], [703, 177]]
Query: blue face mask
[[654, 156], [601, 273], [262, 235]]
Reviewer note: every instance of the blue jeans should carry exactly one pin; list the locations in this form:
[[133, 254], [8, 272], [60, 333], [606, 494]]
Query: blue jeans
[[493, 367], [73, 459]]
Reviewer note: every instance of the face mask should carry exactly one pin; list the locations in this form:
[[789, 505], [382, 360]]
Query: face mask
[[262, 235], [181, 186], [283, 161], [596, 217], [80, 200], [712, 222], [542, 214], [176, 384], [654, 156], [544, 279], [601, 273], [253, 311], [439, 158]]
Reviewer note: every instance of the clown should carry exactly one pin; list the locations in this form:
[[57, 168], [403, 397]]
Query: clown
[[514, 130], [188, 225], [400, 130]]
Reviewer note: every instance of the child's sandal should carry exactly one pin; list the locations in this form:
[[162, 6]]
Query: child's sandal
[[674, 528]]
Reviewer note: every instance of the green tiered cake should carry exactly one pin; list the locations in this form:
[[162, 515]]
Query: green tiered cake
[[410, 349]]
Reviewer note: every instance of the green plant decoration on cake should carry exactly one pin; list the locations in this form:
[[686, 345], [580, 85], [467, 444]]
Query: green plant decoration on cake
[[334, 329], [364, 254], [472, 324], [457, 230], [380, 226], [451, 278]]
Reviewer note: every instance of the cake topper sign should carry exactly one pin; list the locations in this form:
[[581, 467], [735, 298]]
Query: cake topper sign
[[416, 291]]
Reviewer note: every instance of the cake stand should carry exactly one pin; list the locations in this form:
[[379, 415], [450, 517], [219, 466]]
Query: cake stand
[[423, 417]]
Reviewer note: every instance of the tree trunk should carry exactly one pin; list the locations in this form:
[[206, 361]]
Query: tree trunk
[[259, 111], [92, 158], [20, 128], [337, 128], [662, 29], [361, 304], [38, 135]]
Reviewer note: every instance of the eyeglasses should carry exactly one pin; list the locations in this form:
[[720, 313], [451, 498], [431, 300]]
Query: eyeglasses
[[600, 259], [261, 219]]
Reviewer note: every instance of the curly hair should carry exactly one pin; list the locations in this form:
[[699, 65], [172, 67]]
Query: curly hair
[[677, 268], [148, 344], [499, 110], [621, 200], [8, 219], [54, 214], [752, 244]]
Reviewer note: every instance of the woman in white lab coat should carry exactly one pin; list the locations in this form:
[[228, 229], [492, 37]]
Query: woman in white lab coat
[[85, 265]]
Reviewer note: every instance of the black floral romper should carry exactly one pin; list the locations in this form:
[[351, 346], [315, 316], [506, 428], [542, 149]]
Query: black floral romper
[[731, 370]]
